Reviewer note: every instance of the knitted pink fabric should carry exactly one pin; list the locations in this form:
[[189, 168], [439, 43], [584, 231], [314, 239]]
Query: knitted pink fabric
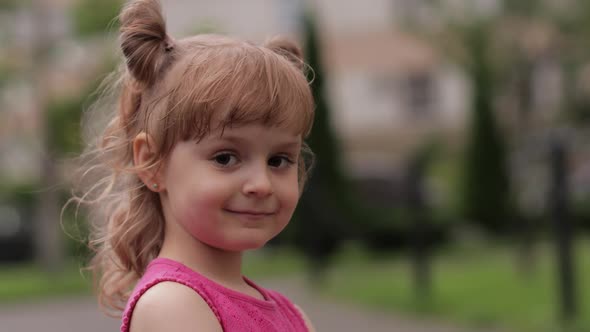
[[234, 310]]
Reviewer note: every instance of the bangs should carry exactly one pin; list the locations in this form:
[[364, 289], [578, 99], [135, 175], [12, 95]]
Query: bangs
[[235, 83]]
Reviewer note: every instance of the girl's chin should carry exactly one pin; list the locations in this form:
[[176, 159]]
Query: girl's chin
[[247, 246], [242, 246], [237, 246], [250, 240]]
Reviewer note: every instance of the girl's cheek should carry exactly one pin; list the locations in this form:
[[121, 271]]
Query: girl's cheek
[[292, 196]]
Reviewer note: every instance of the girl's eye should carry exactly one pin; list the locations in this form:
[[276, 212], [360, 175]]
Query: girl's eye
[[225, 159], [280, 161]]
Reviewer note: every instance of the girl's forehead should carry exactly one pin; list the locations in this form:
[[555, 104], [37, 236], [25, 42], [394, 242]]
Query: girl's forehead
[[236, 121], [256, 131]]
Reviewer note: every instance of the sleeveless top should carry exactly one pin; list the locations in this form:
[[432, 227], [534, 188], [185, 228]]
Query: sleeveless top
[[234, 310]]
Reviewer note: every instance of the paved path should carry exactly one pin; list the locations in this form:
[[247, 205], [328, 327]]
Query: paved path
[[81, 314], [63, 315]]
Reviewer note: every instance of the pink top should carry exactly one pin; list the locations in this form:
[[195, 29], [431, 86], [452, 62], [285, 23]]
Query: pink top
[[234, 310]]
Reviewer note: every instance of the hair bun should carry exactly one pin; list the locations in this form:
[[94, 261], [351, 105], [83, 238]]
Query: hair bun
[[143, 39], [287, 48]]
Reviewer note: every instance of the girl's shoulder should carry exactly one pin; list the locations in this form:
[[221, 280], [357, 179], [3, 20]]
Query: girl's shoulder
[[167, 290], [181, 305]]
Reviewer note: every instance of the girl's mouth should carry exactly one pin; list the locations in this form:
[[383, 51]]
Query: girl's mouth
[[253, 213]]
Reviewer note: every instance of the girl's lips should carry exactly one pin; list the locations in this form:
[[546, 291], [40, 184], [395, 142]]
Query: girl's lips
[[250, 212], [251, 218]]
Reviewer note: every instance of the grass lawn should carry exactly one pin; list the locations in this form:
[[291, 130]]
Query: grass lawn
[[270, 263], [478, 287], [26, 282]]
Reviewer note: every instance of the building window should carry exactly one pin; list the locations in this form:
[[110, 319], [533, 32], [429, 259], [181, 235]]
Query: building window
[[419, 93]]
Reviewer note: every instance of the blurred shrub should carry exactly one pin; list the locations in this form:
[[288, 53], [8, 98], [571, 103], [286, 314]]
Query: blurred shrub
[[387, 224], [7, 72], [581, 213], [63, 116], [91, 17], [17, 207], [74, 224], [12, 4], [387, 230], [22, 194], [578, 111]]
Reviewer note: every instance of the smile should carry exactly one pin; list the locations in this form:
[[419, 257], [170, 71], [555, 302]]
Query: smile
[[249, 213]]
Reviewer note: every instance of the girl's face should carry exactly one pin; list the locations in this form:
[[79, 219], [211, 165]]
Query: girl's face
[[235, 189]]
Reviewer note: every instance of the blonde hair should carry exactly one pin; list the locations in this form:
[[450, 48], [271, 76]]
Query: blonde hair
[[174, 90]]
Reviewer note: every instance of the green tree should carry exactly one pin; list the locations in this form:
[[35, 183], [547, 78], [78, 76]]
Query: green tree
[[486, 188], [322, 217]]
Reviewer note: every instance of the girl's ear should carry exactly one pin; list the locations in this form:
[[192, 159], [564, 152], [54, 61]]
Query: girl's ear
[[144, 160]]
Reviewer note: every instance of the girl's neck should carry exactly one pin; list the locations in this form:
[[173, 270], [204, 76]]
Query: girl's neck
[[224, 267]]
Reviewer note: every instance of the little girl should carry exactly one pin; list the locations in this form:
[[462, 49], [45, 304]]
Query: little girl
[[202, 160]]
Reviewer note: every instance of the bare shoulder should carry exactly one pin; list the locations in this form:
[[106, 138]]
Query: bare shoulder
[[310, 326], [170, 306]]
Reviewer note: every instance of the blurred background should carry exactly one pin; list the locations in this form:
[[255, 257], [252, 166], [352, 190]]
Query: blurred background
[[452, 184]]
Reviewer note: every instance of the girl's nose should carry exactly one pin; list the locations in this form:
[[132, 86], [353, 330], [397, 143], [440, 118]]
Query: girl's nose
[[258, 183]]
